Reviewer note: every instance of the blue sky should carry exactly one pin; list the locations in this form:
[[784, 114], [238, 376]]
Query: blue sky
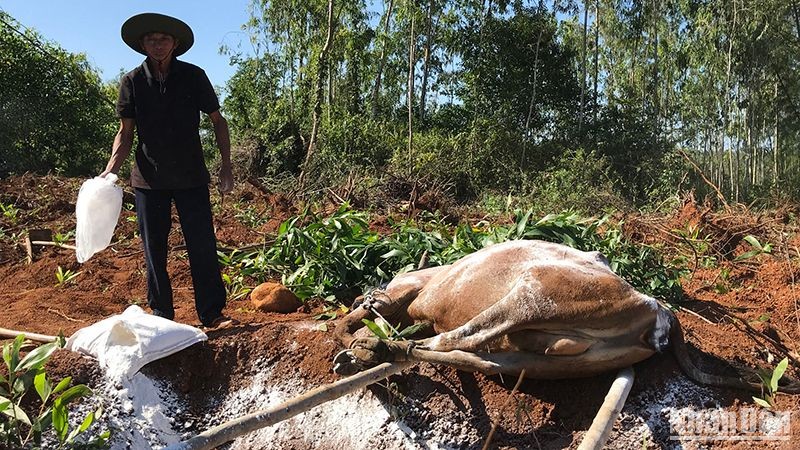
[[93, 27]]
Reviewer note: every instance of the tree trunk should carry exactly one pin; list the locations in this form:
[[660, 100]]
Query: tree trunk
[[426, 60], [535, 83], [582, 116], [656, 15], [322, 65], [596, 58], [376, 88], [411, 63], [775, 147]]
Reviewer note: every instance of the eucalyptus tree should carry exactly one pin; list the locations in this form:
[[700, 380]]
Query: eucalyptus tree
[[55, 113]]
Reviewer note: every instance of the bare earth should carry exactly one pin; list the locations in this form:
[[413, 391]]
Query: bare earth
[[750, 317]]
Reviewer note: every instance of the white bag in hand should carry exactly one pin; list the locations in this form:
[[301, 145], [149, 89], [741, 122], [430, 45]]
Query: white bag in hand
[[97, 211]]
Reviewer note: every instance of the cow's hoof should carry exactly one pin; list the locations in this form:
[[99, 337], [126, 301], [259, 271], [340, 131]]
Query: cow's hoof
[[362, 354], [346, 364], [371, 351]]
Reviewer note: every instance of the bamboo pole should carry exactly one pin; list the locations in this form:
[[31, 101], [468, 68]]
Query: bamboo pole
[[36, 337], [597, 435], [232, 429]]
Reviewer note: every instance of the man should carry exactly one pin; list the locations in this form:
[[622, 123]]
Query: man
[[161, 100]]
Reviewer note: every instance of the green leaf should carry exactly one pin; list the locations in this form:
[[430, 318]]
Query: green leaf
[[780, 369], [87, 422], [11, 353], [45, 419], [325, 316], [410, 330], [72, 394], [37, 358], [43, 387], [375, 328], [747, 255], [753, 241], [523, 224], [762, 402], [8, 408], [393, 253], [60, 421], [61, 385]]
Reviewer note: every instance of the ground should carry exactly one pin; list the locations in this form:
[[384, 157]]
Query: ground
[[737, 316]]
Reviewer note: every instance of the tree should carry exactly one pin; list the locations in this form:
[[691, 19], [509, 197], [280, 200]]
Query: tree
[[55, 113]]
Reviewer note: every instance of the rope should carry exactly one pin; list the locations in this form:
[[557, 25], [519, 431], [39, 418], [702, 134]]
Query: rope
[[369, 299]]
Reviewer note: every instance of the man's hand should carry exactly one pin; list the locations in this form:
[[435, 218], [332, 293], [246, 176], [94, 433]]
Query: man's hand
[[225, 178]]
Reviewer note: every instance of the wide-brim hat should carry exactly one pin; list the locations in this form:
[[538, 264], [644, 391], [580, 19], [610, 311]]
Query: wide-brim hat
[[137, 26]]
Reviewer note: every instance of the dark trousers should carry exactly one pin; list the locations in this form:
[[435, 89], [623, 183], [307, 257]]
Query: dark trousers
[[153, 208]]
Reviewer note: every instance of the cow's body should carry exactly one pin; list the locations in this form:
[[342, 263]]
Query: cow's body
[[547, 308]]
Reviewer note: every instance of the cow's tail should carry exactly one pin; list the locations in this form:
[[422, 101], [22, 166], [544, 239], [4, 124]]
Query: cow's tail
[[679, 349]]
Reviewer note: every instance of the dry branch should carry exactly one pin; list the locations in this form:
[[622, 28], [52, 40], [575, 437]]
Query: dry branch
[[703, 176], [496, 422], [54, 244]]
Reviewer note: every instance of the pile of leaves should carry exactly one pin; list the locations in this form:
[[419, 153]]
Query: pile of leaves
[[324, 256]]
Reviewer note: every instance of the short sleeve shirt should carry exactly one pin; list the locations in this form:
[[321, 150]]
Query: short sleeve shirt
[[169, 154]]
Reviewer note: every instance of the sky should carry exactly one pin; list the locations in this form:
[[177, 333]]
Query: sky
[[93, 27]]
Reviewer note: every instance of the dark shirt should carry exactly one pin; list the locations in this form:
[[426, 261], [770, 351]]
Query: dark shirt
[[169, 154]]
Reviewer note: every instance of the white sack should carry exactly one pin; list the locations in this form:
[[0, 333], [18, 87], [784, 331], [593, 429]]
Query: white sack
[[97, 211], [125, 342]]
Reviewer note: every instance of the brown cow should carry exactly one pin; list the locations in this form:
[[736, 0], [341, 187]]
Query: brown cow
[[549, 309]]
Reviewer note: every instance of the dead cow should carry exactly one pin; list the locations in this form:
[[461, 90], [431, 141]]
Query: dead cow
[[549, 309]]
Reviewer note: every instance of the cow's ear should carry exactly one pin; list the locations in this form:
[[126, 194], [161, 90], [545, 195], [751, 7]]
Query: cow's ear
[[657, 337]]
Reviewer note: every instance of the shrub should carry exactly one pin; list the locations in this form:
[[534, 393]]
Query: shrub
[[24, 429]]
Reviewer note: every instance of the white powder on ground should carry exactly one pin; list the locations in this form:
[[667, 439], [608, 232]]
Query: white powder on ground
[[146, 414], [653, 417]]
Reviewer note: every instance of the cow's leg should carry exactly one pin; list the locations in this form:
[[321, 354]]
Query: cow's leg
[[523, 307], [387, 302], [536, 365], [501, 318]]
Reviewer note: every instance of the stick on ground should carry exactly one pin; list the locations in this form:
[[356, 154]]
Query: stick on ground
[[230, 430]]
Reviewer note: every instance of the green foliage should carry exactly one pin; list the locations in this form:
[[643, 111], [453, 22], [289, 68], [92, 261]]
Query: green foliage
[[384, 330], [234, 286], [699, 244], [324, 256], [758, 248], [250, 216], [55, 114], [583, 180], [23, 429], [769, 384], [63, 238], [10, 212], [65, 277], [499, 68]]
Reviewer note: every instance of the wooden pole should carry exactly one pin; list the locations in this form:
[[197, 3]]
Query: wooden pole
[[232, 429], [36, 337], [597, 434]]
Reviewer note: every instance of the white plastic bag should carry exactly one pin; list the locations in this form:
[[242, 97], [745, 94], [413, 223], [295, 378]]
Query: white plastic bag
[[125, 342], [97, 211]]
